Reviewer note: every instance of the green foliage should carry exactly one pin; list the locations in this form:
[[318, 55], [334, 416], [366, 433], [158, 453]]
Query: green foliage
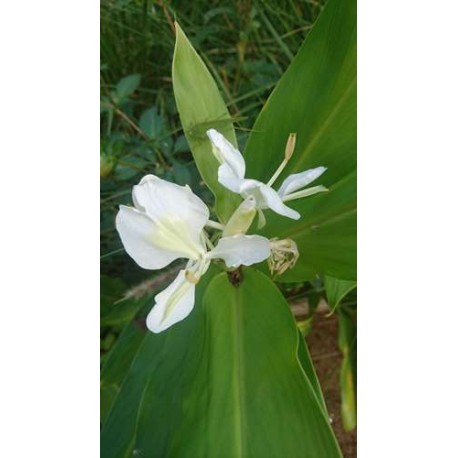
[[347, 345], [316, 98], [201, 106], [225, 382], [336, 290]]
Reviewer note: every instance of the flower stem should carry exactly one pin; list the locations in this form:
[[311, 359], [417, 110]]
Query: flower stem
[[277, 172]]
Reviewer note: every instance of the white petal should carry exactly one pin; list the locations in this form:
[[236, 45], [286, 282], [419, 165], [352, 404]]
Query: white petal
[[160, 198], [229, 179], [178, 214], [226, 153], [172, 305], [299, 180], [266, 197], [137, 234], [241, 250]]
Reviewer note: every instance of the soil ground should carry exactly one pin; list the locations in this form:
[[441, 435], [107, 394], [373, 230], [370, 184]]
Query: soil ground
[[322, 343]]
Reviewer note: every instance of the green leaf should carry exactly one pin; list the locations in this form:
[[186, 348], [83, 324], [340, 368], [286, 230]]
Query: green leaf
[[316, 99], [307, 365], [225, 382], [347, 345], [201, 107], [250, 397], [126, 86], [146, 409], [117, 364], [336, 290], [152, 124]]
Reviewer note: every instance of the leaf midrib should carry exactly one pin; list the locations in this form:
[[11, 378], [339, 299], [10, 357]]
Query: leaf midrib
[[239, 388]]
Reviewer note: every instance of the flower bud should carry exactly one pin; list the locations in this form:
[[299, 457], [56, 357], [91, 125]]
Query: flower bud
[[241, 220]]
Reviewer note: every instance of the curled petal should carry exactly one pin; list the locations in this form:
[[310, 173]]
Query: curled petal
[[226, 153], [299, 180], [172, 305], [163, 200], [239, 250], [266, 197], [137, 232], [229, 179]]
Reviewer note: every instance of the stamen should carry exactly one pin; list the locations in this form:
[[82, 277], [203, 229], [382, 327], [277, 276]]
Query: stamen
[[290, 145], [289, 149]]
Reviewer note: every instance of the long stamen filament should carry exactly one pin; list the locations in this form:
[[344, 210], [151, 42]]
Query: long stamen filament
[[277, 172], [290, 145]]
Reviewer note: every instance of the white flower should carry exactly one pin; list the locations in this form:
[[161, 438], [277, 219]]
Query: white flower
[[167, 223], [231, 174]]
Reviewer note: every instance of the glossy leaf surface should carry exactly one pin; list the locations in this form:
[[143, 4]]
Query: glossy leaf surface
[[336, 290], [201, 107], [316, 99], [225, 382]]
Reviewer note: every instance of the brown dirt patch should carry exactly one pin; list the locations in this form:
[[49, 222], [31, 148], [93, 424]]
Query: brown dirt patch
[[322, 343]]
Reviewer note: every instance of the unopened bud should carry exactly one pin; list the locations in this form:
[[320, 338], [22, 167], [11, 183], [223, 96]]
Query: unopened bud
[[242, 218], [290, 145]]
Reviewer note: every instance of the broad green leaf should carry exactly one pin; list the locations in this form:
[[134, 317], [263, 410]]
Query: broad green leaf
[[115, 311], [117, 364], [336, 290], [307, 366], [201, 107], [146, 409], [347, 345], [316, 99], [225, 382], [250, 396]]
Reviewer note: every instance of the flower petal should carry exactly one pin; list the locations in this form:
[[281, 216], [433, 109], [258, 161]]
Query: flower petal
[[226, 153], [266, 197], [239, 250], [159, 197], [299, 180], [137, 235], [229, 179], [172, 305], [179, 215]]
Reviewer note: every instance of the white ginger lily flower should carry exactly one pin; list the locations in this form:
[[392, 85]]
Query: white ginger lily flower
[[168, 223], [231, 174]]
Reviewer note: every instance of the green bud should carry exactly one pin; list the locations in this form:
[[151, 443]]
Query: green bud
[[241, 220]]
